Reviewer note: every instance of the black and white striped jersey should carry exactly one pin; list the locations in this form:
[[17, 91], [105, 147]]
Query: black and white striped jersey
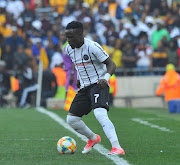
[[88, 60]]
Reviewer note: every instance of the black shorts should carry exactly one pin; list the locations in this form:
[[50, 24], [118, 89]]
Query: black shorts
[[89, 98]]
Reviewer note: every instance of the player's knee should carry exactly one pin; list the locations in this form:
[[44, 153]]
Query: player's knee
[[72, 120], [101, 114]]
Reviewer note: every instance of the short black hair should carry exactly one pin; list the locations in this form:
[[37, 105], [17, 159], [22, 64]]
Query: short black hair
[[75, 25]]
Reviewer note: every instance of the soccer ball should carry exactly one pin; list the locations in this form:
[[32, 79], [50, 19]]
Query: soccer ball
[[66, 145]]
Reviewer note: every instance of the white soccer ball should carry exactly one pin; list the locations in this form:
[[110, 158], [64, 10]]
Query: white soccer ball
[[66, 145]]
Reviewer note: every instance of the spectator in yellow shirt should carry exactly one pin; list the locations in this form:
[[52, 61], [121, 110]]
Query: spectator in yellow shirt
[[59, 4]]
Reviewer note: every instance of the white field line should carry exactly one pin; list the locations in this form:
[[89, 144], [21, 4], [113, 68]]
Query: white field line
[[164, 129], [116, 159]]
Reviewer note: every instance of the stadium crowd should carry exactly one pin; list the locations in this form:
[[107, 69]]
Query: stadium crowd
[[143, 35]]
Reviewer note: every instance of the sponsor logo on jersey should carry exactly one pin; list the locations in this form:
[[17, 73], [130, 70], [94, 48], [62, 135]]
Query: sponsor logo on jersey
[[84, 63], [86, 57]]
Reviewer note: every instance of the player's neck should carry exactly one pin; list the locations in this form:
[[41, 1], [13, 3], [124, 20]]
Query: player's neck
[[80, 44]]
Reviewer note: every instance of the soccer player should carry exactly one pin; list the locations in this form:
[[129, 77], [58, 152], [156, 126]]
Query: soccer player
[[94, 68]]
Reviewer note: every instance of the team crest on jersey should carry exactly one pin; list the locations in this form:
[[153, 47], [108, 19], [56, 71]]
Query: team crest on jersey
[[86, 57]]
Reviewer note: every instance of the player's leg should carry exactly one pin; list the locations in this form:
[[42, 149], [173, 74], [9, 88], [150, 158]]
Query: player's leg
[[81, 106], [79, 126], [109, 129], [99, 98]]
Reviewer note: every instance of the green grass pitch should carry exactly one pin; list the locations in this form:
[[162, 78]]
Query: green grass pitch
[[28, 137]]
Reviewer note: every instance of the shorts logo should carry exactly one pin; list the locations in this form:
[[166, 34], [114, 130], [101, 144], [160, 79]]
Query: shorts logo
[[86, 57]]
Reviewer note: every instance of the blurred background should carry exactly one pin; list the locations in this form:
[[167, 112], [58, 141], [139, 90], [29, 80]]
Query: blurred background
[[141, 36]]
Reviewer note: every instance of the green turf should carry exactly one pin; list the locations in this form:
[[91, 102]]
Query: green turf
[[29, 137]]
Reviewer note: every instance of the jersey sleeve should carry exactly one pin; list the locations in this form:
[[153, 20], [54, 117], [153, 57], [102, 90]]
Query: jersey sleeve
[[99, 52]]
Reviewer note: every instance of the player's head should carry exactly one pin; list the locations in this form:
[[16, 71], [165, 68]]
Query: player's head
[[74, 34]]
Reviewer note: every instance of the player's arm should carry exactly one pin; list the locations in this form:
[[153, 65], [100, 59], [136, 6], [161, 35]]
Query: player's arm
[[103, 57], [111, 67]]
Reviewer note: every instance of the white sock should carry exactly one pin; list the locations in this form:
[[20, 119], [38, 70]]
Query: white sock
[[78, 125], [108, 127]]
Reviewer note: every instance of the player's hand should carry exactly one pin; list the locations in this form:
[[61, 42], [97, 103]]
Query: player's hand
[[103, 83], [78, 83]]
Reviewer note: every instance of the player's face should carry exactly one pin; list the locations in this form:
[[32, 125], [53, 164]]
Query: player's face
[[74, 38]]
